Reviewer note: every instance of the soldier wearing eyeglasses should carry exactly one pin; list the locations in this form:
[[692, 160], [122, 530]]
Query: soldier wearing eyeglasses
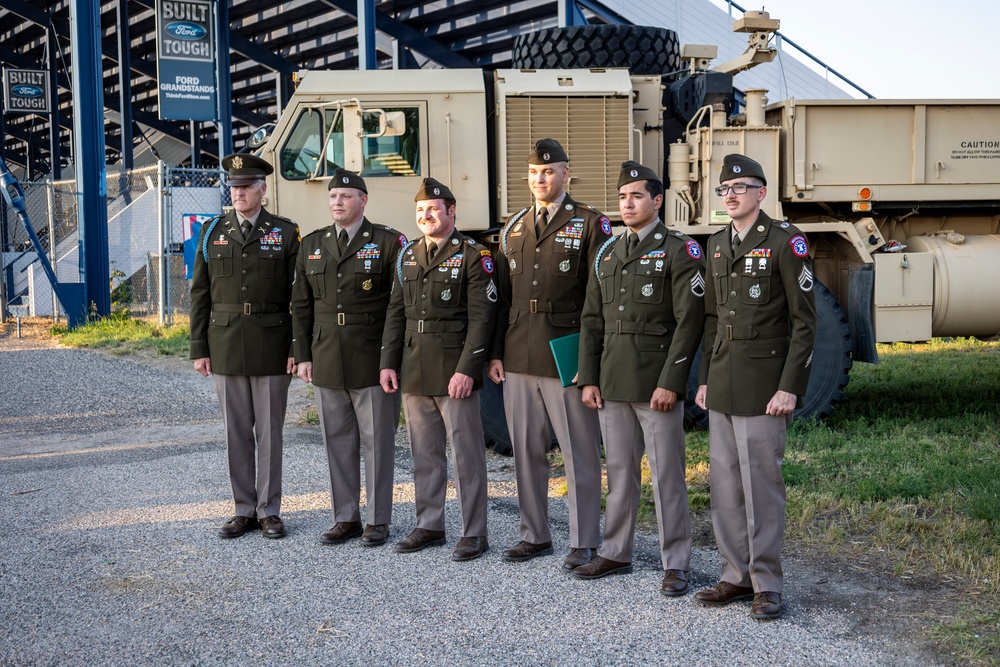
[[760, 326]]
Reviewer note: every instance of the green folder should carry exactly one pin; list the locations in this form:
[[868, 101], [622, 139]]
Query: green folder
[[566, 352]]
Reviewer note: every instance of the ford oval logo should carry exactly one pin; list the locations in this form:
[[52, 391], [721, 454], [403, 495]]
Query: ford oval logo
[[184, 30], [27, 91]]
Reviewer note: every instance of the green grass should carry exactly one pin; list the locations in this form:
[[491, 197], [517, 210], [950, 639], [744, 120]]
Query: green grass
[[120, 334], [904, 476]]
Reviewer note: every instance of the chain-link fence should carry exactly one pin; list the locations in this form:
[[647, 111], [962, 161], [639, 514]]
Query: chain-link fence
[[154, 219]]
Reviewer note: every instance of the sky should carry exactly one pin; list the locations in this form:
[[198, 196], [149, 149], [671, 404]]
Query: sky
[[899, 48]]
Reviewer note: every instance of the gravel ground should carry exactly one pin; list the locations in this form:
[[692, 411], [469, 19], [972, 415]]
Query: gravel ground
[[113, 477]]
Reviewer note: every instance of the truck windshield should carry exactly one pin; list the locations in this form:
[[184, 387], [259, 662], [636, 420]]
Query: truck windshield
[[383, 156]]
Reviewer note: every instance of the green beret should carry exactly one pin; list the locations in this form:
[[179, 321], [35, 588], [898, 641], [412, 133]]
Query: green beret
[[433, 189], [547, 151], [346, 179], [245, 169], [735, 165], [632, 171]]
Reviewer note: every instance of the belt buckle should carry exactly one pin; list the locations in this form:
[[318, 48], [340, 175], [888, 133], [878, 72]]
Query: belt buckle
[[247, 309], [420, 326], [340, 319], [533, 306], [729, 331]]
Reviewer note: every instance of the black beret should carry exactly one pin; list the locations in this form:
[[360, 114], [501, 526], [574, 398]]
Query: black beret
[[346, 179], [245, 169], [547, 151], [735, 165], [632, 171], [433, 189]]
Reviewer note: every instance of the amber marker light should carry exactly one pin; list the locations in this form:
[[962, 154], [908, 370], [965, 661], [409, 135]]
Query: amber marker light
[[865, 193]]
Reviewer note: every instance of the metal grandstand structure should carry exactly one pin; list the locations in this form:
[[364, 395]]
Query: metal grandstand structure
[[269, 42]]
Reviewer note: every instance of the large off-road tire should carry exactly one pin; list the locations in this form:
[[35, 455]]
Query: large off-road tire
[[831, 364], [491, 411], [832, 361], [643, 50]]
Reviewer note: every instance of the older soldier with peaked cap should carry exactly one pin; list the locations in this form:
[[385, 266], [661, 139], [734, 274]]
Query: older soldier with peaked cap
[[546, 251], [339, 301], [759, 333], [440, 320], [642, 323], [241, 333]]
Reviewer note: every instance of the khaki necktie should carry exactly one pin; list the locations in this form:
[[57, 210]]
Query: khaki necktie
[[541, 220], [342, 241], [633, 241]]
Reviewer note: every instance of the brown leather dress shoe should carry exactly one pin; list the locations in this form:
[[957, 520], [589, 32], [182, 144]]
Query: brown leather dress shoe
[[272, 527], [469, 548], [675, 583], [722, 594], [419, 540], [601, 567], [375, 535], [341, 532], [237, 526], [766, 605], [526, 551], [576, 558]]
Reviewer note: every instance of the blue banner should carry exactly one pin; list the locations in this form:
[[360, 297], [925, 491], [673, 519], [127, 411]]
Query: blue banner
[[185, 59]]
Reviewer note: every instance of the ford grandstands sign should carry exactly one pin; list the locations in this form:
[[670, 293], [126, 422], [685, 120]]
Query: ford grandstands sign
[[185, 59], [26, 90]]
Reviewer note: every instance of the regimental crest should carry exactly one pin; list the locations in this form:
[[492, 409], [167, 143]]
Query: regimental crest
[[737, 168], [437, 191], [698, 285], [545, 156], [634, 173]]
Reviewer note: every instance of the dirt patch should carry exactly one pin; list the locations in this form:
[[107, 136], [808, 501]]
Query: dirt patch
[[35, 332]]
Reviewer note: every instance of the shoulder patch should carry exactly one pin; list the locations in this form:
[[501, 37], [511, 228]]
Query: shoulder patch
[[693, 249], [605, 225], [799, 245], [402, 239], [487, 263]]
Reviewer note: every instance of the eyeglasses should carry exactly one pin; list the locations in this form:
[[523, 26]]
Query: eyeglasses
[[738, 189]]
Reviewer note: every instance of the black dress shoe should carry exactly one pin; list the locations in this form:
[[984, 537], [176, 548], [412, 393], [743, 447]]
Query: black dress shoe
[[375, 535], [601, 567], [469, 548], [237, 526], [419, 540], [526, 551], [272, 527], [766, 605], [722, 594], [341, 532], [675, 582], [576, 558]]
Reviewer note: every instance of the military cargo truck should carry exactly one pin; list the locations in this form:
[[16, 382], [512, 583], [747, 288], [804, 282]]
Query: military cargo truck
[[900, 199]]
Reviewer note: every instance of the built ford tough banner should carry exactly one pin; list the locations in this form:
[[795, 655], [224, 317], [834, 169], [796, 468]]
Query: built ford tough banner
[[185, 61], [26, 90]]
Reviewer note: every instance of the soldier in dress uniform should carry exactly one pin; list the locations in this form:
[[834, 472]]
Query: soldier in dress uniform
[[546, 250], [441, 318], [642, 323], [759, 331], [339, 301], [241, 334]]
